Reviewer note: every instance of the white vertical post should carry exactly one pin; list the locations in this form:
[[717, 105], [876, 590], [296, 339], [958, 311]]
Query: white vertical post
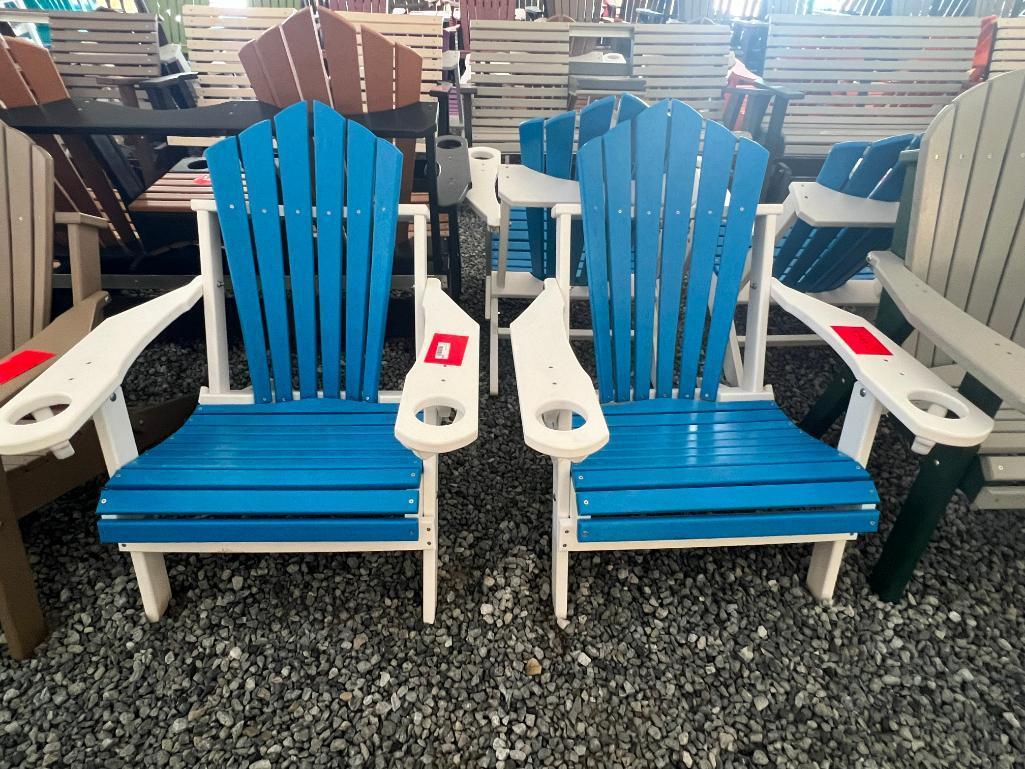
[[114, 430], [213, 302], [419, 275], [429, 512], [151, 574], [563, 239], [753, 375], [503, 244], [561, 521], [859, 430]]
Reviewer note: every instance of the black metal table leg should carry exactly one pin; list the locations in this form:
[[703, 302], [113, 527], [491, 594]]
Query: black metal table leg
[[431, 172]]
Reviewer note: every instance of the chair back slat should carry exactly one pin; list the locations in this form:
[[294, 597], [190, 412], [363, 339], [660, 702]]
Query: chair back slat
[[341, 54], [300, 35], [966, 239], [643, 247], [26, 238], [339, 189]]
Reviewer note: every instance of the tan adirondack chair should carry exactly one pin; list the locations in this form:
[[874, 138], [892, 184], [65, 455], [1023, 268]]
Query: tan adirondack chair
[[30, 341], [1008, 47]]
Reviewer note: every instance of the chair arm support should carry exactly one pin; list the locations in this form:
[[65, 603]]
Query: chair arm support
[[822, 207], [430, 384], [87, 374], [522, 186], [83, 252], [896, 379], [483, 197], [994, 360], [549, 378]]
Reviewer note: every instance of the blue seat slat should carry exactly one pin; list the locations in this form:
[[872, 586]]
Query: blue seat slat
[[329, 148], [271, 440], [309, 405], [308, 461], [225, 169], [294, 477], [293, 145], [748, 173], [716, 163], [727, 497], [767, 440], [257, 146], [355, 418], [360, 151], [694, 457], [207, 502], [217, 530], [697, 418], [666, 405], [838, 469], [798, 523]]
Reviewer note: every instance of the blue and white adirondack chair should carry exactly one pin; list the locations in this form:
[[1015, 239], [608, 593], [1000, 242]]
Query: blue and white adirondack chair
[[663, 455], [337, 465], [523, 249]]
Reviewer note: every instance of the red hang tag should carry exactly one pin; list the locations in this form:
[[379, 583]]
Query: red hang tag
[[446, 349], [20, 362], [861, 340], [203, 181]]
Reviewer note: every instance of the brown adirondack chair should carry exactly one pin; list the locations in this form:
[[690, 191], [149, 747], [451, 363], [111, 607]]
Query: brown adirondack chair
[[29, 343]]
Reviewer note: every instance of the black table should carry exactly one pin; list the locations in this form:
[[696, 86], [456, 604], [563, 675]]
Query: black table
[[89, 117]]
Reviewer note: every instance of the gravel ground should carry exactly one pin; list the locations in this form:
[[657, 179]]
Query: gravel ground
[[714, 658]]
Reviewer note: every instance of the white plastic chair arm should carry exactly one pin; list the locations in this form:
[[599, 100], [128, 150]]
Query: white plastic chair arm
[[433, 384], [482, 197], [897, 380], [822, 207], [994, 360], [88, 374], [549, 378], [519, 186]]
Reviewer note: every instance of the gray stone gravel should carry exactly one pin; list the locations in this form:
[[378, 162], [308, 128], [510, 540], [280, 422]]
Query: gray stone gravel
[[715, 658]]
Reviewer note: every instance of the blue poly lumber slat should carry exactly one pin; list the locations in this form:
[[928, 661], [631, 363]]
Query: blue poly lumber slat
[[595, 119], [695, 457], [619, 226], [257, 146], [748, 175], [214, 530], [684, 135], [274, 502], [839, 469], [697, 418], [630, 106], [295, 477], [387, 183], [709, 431], [292, 128], [226, 179], [308, 461], [283, 420], [360, 151], [650, 130], [668, 405], [590, 164], [275, 439], [329, 160], [793, 524], [716, 163], [310, 406], [710, 498]]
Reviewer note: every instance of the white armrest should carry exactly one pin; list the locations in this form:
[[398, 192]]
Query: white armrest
[[484, 163], [522, 187], [87, 374], [994, 360], [430, 385], [549, 378], [822, 207], [898, 380]]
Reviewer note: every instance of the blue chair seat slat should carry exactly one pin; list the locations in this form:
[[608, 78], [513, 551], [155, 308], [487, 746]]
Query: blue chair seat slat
[[726, 497], [245, 502], [270, 440], [768, 440], [397, 529], [695, 457], [309, 460], [646, 429], [742, 418], [281, 421], [679, 406], [160, 479], [796, 523], [838, 469]]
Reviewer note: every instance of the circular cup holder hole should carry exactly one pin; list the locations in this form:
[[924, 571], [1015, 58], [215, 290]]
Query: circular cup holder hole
[[551, 419], [449, 144]]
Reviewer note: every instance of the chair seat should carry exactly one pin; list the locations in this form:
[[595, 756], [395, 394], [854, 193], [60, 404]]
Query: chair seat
[[679, 469], [323, 470], [518, 259]]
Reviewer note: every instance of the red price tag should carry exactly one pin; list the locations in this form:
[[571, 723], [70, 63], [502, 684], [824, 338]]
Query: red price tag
[[446, 349], [17, 364], [203, 181], [861, 340]]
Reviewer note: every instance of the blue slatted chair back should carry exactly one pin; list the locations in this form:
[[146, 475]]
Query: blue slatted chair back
[[548, 145], [653, 203], [816, 259], [336, 188]]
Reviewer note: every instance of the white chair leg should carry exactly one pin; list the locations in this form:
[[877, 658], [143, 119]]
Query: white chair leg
[[154, 586], [430, 583], [487, 298], [560, 582], [493, 349], [826, 558]]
